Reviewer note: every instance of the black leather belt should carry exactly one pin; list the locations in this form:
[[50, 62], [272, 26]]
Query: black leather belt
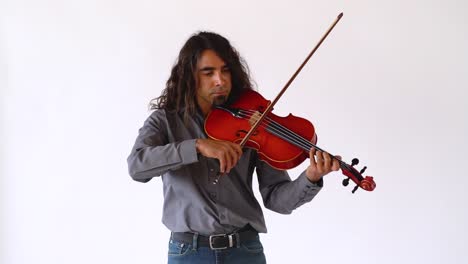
[[220, 241]]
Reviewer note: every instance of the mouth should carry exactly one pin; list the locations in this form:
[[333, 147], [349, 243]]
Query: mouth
[[219, 93]]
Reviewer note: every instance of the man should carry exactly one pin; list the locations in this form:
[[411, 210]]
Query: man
[[213, 223]]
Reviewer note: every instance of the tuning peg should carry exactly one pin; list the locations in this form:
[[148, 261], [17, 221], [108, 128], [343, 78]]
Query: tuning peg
[[345, 182], [363, 170], [354, 162], [355, 188]]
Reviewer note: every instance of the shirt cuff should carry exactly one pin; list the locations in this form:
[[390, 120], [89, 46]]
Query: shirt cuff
[[188, 151], [309, 183]]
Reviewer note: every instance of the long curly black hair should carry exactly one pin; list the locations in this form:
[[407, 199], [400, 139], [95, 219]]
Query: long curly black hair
[[180, 91]]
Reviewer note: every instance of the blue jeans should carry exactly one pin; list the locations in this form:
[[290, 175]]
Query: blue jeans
[[250, 252]]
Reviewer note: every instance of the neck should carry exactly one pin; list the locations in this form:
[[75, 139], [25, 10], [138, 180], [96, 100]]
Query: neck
[[204, 109]]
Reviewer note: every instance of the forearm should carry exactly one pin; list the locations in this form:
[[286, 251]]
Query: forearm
[[280, 193], [289, 195], [151, 161]]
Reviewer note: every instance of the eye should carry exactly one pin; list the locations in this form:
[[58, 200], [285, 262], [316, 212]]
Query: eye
[[226, 69]]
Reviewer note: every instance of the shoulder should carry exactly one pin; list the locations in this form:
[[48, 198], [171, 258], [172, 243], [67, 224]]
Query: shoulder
[[165, 115], [163, 118], [156, 119], [158, 113]]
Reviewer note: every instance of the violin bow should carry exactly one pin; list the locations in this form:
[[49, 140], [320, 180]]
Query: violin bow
[[270, 106]]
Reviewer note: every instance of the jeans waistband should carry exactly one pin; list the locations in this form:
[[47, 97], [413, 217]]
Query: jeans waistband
[[217, 241]]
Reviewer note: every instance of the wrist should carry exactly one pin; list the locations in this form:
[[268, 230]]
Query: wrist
[[318, 182], [314, 178], [197, 145]]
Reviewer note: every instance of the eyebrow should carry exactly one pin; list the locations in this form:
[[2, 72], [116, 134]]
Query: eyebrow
[[210, 68]]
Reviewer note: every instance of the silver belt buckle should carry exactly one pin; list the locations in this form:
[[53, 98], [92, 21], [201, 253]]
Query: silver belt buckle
[[231, 243]]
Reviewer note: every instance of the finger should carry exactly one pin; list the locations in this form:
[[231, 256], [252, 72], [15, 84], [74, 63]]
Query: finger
[[238, 150], [222, 164], [327, 162], [234, 146], [312, 152], [232, 156], [319, 156], [235, 157], [228, 159], [336, 163]]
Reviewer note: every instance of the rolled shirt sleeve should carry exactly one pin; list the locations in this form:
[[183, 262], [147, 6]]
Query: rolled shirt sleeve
[[280, 193]]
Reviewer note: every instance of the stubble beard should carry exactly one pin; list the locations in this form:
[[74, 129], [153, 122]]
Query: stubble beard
[[219, 100]]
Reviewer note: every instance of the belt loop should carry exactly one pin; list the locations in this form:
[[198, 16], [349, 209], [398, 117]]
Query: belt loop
[[195, 242], [237, 239]]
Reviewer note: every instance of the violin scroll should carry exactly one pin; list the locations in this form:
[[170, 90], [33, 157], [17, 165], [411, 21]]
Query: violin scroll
[[367, 183]]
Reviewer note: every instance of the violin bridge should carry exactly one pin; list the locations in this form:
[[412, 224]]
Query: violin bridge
[[254, 117]]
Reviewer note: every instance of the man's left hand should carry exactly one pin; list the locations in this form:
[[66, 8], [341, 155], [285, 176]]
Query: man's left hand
[[321, 164]]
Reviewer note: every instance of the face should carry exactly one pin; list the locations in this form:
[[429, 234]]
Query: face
[[213, 80]]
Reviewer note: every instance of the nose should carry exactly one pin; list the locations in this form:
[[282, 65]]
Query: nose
[[219, 79]]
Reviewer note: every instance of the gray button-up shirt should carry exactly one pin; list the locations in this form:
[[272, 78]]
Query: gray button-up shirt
[[165, 147]]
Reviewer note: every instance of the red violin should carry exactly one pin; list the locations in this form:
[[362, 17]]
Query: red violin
[[282, 142]]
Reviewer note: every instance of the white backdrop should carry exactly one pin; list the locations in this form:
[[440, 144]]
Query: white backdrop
[[388, 86]]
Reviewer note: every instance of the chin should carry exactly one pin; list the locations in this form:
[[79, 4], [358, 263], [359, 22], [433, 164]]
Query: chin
[[219, 100]]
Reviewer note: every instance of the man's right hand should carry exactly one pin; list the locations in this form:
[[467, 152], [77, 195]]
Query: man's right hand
[[226, 152]]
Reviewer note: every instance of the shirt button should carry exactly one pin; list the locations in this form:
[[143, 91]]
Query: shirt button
[[211, 170], [213, 195]]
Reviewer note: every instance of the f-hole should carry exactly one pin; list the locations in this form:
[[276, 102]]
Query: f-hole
[[240, 132]]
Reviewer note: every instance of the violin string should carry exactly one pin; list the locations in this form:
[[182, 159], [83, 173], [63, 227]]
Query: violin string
[[289, 135], [285, 132], [288, 131]]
